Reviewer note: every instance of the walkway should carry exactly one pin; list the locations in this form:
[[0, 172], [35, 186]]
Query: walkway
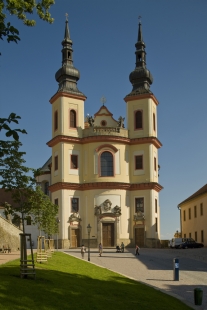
[[154, 267]]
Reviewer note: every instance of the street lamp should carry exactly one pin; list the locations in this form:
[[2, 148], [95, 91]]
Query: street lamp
[[58, 221], [89, 231]]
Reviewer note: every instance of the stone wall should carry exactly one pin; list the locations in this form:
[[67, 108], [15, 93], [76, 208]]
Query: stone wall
[[9, 235]]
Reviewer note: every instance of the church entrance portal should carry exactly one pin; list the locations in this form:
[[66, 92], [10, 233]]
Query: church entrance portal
[[108, 234], [139, 237], [75, 238]]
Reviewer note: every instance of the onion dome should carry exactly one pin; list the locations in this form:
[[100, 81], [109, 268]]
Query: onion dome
[[67, 76], [140, 78]]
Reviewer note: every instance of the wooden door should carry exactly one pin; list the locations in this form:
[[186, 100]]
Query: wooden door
[[108, 234], [75, 238], [139, 237]]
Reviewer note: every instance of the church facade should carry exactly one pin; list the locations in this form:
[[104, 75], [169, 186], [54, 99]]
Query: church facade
[[101, 172]]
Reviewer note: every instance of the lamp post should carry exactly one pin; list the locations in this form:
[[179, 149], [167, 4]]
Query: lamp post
[[89, 231], [58, 221]]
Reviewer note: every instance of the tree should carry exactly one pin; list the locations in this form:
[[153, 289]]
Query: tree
[[21, 8]]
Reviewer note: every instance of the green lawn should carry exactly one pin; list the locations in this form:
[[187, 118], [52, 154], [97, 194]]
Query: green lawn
[[69, 283]]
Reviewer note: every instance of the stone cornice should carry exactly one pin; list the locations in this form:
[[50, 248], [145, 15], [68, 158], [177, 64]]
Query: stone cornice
[[105, 185], [143, 96], [64, 94], [105, 139]]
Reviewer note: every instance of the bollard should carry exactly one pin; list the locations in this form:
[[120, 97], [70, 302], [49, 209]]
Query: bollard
[[198, 296], [176, 269]]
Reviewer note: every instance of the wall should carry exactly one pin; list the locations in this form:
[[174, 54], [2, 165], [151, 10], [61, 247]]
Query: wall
[[9, 235]]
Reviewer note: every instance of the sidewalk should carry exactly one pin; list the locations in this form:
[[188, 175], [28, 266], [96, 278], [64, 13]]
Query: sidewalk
[[154, 267]]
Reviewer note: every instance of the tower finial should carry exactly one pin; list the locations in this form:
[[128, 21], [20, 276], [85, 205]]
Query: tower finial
[[140, 19], [66, 16]]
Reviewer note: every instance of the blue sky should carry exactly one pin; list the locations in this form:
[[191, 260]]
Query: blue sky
[[104, 34]]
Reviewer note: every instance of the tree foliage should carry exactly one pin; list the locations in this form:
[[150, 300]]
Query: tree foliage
[[21, 9]]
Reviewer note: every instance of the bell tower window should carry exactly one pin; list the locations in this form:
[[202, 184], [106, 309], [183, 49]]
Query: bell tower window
[[106, 164], [72, 119], [138, 120]]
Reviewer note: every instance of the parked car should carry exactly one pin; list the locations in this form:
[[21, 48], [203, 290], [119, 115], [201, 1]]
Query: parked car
[[190, 244], [176, 242]]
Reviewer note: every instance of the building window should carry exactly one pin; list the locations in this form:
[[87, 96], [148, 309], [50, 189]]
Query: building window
[[156, 224], [154, 124], [195, 235], [46, 188], [139, 205], [155, 205], [107, 164], [184, 215], [202, 236], [74, 162], [56, 120], [155, 164], [189, 214], [138, 162], [56, 201], [56, 163], [195, 211], [189, 235], [29, 220], [72, 118], [184, 235], [138, 120], [201, 209], [74, 205]]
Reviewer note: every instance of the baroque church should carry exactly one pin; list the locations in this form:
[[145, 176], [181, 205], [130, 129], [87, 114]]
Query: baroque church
[[101, 172]]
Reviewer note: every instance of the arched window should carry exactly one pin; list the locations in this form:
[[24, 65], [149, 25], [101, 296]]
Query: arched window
[[72, 118], [106, 164], [138, 120]]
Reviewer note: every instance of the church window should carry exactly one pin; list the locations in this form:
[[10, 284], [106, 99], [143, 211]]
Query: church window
[[189, 213], [46, 188], [139, 162], [155, 205], [56, 120], [154, 123], [138, 119], [184, 215], [56, 201], [103, 123], [72, 118], [74, 162], [195, 211], [156, 224], [201, 209], [195, 235], [29, 221], [74, 205], [56, 163], [106, 164], [155, 164], [139, 204]]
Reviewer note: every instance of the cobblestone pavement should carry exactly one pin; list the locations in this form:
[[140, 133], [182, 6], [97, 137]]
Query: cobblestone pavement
[[155, 267]]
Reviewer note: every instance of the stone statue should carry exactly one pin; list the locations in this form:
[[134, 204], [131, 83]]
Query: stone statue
[[97, 210], [74, 217], [90, 120], [121, 122], [117, 210], [107, 205]]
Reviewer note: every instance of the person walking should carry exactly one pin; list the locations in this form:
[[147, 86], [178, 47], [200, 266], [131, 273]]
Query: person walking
[[100, 248], [122, 247], [136, 250], [83, 249]]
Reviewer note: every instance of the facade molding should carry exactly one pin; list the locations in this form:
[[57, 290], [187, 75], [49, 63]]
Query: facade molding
[[144, 96], [105, 185], [91, 139], [64, 94]]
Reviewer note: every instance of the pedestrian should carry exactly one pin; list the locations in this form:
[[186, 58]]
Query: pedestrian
[[83, 249], [122, 247], [100, 248], [136, 250]]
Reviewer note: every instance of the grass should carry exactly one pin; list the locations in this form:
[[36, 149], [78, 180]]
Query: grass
[[66, 282]]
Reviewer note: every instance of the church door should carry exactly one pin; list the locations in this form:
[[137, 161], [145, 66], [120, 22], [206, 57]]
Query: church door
[[108, 234], [75, 238], [139, 237]]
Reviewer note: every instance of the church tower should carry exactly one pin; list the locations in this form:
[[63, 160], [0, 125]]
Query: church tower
[[101, 172]]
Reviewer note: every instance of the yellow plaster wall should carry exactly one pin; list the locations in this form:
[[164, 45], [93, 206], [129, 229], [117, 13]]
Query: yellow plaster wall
[[148, 106], [195, 224]]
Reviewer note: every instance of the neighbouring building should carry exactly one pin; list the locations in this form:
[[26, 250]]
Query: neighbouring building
[[102, 172], [193, 216]]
